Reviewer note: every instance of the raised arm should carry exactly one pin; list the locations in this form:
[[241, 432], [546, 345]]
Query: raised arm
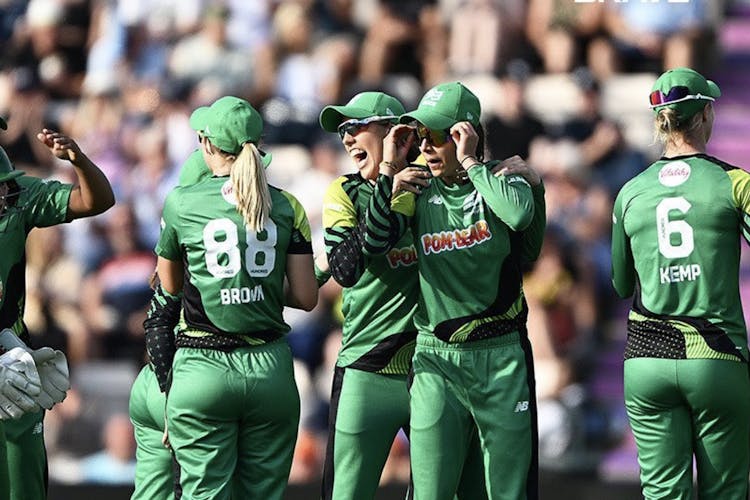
[[509, 197], [92, 194], [386, 219]]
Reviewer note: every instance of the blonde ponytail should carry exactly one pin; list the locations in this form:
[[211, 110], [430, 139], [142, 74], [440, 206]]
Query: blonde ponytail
[[251, 189], [667, 126]]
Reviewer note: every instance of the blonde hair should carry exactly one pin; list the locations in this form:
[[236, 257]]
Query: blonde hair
[[667, 126], [250, 185]]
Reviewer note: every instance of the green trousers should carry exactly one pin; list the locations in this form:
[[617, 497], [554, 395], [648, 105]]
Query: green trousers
[[367, 411], [685, 408], [474, 395], [232, 420], [154, 476], [27, 457]]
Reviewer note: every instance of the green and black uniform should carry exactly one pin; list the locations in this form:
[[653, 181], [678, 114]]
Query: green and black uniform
[[473, 368], [675, 247], [41, 203], [369, 400], [233, 406], [154, 469]]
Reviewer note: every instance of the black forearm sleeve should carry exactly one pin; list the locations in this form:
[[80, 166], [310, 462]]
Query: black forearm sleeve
[[163, 315], [345, 256]]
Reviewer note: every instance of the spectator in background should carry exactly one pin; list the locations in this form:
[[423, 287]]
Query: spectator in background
[[653, 36], [207, 54], [24, 103], [116, 293], [406, 36], [560, 31], [115, 463], [308, 75], [512, 128], [484, 35], [587, 147]]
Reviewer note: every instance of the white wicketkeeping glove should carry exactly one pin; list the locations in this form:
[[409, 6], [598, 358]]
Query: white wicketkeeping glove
[[20, 384], [51, 365], [53, 372]]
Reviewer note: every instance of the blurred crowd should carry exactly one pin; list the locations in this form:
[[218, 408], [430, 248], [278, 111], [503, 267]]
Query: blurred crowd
[[562, 83]]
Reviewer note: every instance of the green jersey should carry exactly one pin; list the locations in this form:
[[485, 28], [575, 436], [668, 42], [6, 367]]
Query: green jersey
[[470, 244], [41, 203], [234, 278], [675, 245], [380, 292]]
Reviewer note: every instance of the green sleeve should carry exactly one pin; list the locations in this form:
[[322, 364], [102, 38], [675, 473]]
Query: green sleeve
[[169, 244], [509, 197], [533, 235], [741, 195], [623, 267], [47, 201], [301, 240], [321, 276]]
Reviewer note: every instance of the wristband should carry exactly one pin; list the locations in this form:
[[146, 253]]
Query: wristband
[[468, 158], [389, 165]]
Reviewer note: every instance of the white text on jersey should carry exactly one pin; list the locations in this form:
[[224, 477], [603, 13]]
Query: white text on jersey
[[243, 295], [457, 239], [676, 274]]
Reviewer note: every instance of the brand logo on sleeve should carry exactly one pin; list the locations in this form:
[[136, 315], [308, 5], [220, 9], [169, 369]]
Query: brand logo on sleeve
[[674, 173], [456, 239]]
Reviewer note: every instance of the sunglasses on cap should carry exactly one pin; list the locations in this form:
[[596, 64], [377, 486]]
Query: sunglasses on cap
[[676, 94], [356, 125], [434, 137]]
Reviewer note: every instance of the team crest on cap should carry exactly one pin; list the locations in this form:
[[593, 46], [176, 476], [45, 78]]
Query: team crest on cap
[[469, 116], [227, 192], [432, 97], [674, 173]]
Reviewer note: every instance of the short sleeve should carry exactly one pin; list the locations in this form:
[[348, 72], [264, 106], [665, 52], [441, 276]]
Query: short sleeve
[[169, 244]]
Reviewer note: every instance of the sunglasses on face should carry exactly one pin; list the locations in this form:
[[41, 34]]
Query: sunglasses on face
[[679, 93], [356, 125], [434, 137]]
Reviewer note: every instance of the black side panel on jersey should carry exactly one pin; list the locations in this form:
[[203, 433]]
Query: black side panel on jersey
[[672, 341], [382, 353]]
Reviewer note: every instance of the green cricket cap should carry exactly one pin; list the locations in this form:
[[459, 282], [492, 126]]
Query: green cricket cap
[[229, 123], [7, 171], [445, 105], [695, 83], [362, 105]]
